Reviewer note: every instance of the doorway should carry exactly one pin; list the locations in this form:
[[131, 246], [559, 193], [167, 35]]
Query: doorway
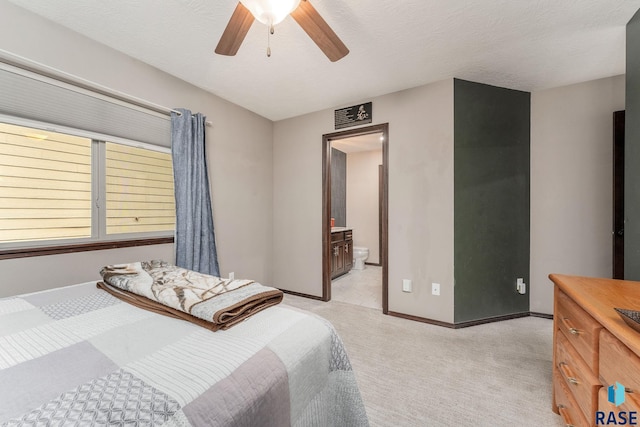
[[383, 183]]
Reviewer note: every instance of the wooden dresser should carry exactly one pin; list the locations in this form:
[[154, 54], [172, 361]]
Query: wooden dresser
[[593, 347]]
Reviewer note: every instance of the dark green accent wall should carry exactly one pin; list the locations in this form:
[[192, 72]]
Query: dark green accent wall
[[491, 200], [339, 187], [632, 153]]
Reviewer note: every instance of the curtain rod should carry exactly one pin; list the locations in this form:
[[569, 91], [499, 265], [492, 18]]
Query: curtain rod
[[73, 80]]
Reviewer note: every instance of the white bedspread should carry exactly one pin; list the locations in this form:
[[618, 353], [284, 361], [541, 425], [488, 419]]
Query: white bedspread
[[78, 356]]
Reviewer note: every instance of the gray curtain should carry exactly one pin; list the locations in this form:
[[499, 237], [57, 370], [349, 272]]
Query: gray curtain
[[195, 239]]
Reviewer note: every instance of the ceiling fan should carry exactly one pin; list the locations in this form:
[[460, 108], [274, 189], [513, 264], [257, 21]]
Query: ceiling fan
[[272, 12]]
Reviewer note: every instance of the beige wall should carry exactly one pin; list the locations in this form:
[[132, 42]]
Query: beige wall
[[571, 181], [23, 275], [362, 200], [239, 149], [420, 198]]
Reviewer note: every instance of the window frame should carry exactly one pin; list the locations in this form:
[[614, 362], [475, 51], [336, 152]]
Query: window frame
[[99, 239]]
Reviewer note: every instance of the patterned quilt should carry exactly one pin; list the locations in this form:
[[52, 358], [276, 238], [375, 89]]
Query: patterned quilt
[[78, 356], [208, 301]]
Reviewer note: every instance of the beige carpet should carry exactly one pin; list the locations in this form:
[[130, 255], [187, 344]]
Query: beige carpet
[[414, 374]]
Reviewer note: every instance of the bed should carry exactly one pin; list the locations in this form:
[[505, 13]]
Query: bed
[[79, 356]]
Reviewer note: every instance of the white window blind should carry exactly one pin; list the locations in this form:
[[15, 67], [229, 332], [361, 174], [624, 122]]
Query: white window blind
[[45, 185], [35, 97]]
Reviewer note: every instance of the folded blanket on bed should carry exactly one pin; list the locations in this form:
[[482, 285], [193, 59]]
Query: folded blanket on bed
[[209, 301]]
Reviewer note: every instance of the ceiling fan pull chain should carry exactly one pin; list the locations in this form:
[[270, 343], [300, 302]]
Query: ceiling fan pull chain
[[269, 40]]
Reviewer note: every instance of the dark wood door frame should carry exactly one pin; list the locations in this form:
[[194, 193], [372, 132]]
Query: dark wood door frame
[[326, 207], [618, 195]]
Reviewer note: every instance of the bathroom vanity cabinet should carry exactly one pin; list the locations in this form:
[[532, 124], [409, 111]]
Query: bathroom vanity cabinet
[[341, 251]]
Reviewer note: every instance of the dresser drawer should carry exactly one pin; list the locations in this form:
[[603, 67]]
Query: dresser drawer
[[580, 329], [577, 377], [618, 363], [630, 405], [567, 406]]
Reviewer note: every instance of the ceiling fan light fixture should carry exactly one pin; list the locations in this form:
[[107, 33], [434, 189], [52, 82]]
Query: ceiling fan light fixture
[[270, 12]]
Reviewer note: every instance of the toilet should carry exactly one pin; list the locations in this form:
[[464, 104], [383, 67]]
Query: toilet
[[360, 255]]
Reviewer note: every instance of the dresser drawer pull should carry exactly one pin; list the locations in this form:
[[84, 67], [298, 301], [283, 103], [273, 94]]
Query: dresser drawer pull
[[571, 329], [565, 415], [567, 374]]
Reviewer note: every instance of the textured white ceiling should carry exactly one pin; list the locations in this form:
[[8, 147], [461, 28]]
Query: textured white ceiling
[[519, 44]]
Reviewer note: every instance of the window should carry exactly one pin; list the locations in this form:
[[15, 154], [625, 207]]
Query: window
[[57, 188], [139, 190]]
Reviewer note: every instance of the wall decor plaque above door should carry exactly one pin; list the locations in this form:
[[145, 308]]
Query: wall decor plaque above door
[[353, 116]]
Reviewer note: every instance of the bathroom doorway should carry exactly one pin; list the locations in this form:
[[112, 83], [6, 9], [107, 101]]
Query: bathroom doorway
[[367, 150]]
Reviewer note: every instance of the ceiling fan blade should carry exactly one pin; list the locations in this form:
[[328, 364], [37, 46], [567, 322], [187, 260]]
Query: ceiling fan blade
[[319, 31], [236, 30]]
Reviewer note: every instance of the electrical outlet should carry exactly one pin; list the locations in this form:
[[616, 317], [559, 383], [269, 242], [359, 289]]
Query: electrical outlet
[[406, 285], [232, 275], [521, 287], [435, 289]]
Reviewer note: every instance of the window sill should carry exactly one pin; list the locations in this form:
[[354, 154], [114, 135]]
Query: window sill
[[81, 247]]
